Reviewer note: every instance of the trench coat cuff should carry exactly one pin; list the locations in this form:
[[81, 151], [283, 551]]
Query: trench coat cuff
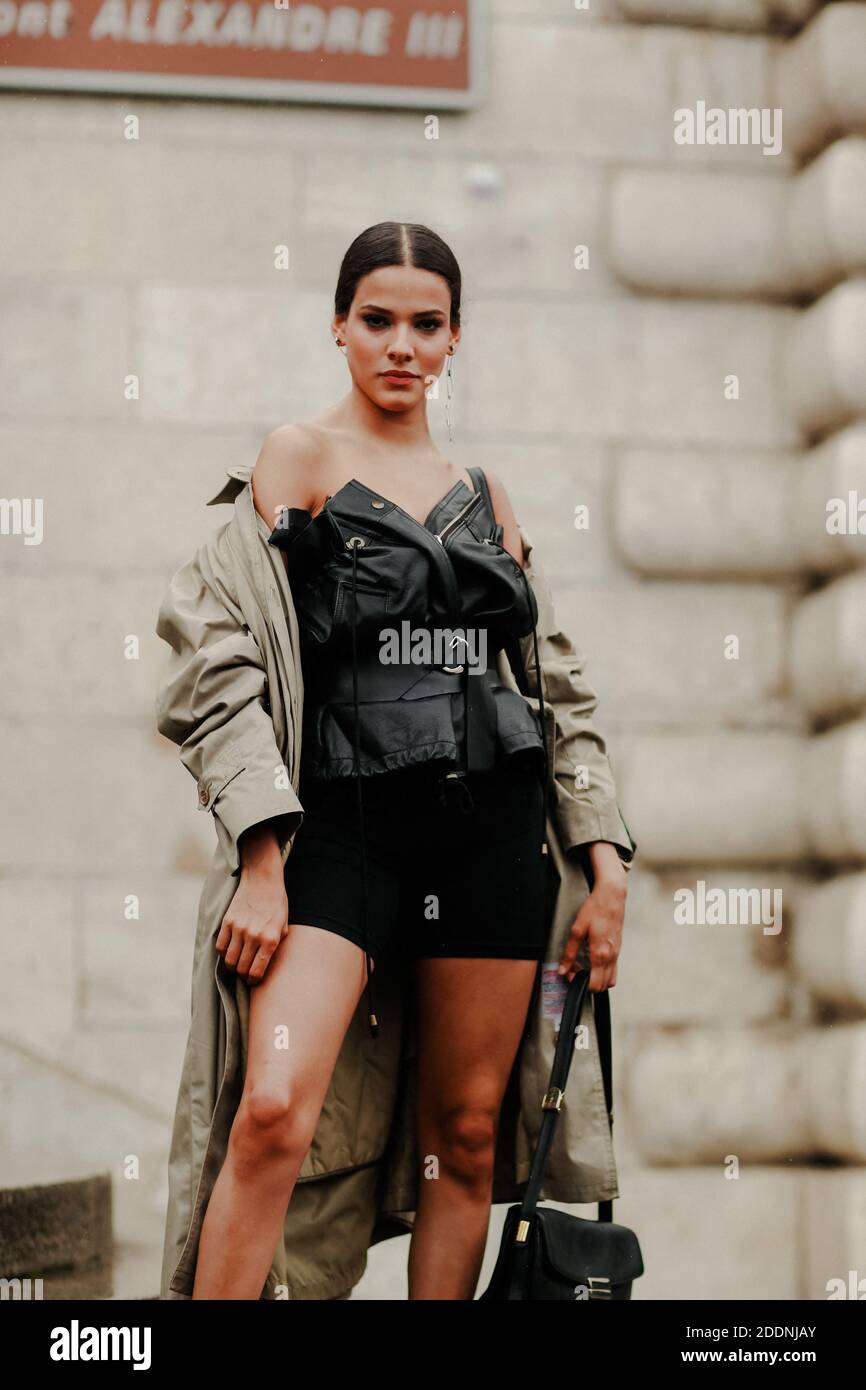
[[248, 799], [583, 820]]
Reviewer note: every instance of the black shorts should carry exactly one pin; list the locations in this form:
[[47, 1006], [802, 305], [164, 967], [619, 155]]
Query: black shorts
[[441, 881]]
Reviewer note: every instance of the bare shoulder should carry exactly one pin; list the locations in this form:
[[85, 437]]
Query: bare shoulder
[[286, 472], [504, 513]]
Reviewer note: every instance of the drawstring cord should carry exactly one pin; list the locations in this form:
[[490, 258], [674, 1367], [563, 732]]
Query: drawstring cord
[[354, 542]]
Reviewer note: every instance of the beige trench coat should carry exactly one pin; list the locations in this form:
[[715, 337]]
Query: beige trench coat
[[231, 699]]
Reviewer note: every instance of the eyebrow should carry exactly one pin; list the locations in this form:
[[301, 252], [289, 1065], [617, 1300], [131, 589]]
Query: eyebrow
[[419, 313]]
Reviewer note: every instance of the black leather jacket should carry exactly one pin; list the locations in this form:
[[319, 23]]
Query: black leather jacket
[[364, 573]]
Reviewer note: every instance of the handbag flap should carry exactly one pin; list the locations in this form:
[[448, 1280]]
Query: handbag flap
[[581, 1250]]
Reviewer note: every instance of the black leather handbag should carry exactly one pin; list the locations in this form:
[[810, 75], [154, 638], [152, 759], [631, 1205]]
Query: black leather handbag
[[547, 1253]]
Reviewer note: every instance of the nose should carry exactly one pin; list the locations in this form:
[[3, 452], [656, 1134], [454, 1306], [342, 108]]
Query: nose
[[400, 344]]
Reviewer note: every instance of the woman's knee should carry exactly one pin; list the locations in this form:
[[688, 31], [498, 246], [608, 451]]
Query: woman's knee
[[468, 1142], [274, 1122]]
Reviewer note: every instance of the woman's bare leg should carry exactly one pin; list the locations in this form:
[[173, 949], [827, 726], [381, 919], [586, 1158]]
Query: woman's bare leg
[[470, 1018], [311, 989]]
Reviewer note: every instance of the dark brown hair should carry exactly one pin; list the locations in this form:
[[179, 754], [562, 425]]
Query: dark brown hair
[[397, 243]]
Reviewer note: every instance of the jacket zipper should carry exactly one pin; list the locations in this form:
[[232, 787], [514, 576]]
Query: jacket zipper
[[455, 521]]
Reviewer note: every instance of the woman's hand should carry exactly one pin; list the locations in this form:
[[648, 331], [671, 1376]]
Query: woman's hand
[[600, 920], [258, 915]]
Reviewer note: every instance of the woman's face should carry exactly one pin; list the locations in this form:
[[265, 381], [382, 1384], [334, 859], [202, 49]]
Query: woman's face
[[398, 322]]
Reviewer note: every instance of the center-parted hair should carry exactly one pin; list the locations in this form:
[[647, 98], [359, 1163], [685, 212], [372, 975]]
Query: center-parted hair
[[397, 243]]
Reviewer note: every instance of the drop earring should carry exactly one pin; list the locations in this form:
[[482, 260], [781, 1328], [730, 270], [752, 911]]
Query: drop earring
[[341, 345], [449, 391]]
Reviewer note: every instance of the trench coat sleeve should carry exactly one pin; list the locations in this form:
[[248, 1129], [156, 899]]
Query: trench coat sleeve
[[213, 703], [586, 806]]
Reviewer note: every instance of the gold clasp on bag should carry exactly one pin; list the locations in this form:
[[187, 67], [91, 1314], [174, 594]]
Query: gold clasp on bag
[[599, 1286], [522, 1232], [553, 1099]]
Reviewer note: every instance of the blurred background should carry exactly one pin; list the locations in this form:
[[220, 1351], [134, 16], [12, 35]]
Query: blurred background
[[663, 358]]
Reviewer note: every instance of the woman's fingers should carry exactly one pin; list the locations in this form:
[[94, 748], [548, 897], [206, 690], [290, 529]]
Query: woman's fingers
[[601, 978], [579, 928], [262, 960], [249, 951], [592, 923], [224, 935], [252, 929], [233, 950]]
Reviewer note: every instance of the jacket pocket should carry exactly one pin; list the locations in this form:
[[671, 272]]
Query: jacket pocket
[[372, 603]]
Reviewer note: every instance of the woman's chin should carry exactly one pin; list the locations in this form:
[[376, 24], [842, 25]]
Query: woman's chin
[[397, 401]]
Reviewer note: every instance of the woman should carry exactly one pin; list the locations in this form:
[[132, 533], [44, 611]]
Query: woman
[[422, 783]]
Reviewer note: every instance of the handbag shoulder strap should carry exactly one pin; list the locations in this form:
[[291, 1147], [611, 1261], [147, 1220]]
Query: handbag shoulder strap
[[601, 1013], [479, 478], [555, 1095]]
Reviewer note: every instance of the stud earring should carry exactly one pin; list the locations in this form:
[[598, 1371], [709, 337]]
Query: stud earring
[[340, 344]]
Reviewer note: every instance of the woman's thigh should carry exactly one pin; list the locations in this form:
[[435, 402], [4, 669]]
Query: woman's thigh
[[471, 1014], [299, 1015]]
